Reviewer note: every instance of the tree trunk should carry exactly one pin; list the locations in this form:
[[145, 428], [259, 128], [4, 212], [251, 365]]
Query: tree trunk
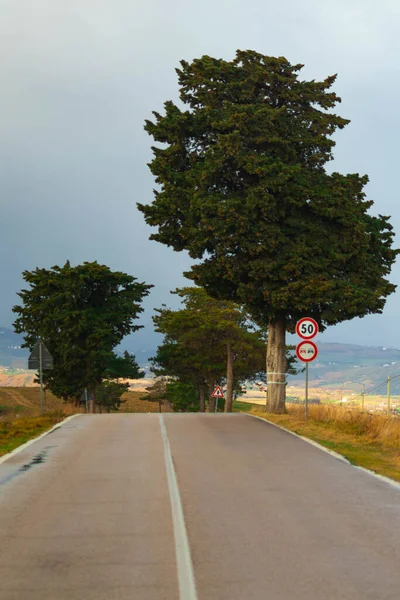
[[276, 365], [211, 401], [229, 378], [202, 397], [92, 403]]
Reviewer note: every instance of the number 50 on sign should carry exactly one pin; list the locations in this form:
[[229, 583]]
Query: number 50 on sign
[[307, 328]]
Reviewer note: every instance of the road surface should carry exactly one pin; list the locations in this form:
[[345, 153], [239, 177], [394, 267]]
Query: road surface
[[92, 512]]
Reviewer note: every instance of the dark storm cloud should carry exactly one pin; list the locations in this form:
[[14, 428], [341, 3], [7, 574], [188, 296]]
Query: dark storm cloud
[[78, 78]]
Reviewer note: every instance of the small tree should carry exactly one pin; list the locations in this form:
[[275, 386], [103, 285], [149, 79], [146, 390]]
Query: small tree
[[243, 188], [109, 395], [183, 397], [157, 392], [82, 313], [173, 360], [207, 342]]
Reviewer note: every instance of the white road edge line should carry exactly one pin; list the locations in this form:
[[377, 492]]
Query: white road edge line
[[331, 452], [33, 440], [186, 580], [391, 482]]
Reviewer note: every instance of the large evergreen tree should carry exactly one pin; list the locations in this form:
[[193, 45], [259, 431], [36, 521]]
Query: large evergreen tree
[[243, 188], [82, 313]]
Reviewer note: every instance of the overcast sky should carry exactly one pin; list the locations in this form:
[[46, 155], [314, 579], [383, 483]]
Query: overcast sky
[[78, 79]]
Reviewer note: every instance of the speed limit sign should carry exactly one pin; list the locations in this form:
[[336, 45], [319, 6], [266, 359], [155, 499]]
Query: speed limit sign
[[307, 328]]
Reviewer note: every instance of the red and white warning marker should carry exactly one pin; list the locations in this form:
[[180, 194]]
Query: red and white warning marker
[[217, 393]]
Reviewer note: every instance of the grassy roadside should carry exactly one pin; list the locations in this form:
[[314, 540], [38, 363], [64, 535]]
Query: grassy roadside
[[369, 441], [16, 428], [15, 432]]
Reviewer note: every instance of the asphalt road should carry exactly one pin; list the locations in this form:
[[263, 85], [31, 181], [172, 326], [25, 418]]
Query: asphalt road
[[94, 511]]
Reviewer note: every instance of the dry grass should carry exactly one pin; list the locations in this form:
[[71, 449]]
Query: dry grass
[[370, 441], [133, 403], [15, 432], [25, 401], [20, 420], [377, 428]]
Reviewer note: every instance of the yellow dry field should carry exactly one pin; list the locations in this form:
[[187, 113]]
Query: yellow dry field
[[25, 401], [134, 403], [255, 396]]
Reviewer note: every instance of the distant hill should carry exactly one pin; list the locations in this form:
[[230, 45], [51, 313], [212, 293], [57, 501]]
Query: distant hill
[[11, 353], [351, 366], [337, 365]]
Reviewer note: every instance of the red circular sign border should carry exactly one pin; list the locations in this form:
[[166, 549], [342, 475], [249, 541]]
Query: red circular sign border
[[312, 344], [302, 321]]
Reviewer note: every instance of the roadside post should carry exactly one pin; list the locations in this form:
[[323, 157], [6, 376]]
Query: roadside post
[[362, 399], [388, 396], [39, 360], [217, 393], [306, 351]]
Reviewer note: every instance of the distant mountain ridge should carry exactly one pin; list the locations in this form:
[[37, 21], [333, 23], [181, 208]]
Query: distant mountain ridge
[[10, 348], [337, 365], [13, 355], [351, 365]]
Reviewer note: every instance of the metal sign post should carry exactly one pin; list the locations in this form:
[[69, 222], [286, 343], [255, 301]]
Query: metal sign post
[[306, 391], [307, 351], [41, 378], [39, 360]]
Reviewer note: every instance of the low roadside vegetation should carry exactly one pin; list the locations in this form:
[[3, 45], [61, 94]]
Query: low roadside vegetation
[[19, 430], [20, 420], [370, 441]]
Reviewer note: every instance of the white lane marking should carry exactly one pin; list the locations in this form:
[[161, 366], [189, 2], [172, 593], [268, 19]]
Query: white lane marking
[[33, 440], [391, 482], [186, 581]]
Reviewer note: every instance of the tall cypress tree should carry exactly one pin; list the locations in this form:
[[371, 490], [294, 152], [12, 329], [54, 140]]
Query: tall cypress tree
[[243, 187]]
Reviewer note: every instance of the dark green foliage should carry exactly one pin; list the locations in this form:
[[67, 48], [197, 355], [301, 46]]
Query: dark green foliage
[[123, 367], [82, 313], [242, 186], [183, 397], [109, 395], [157, 392], [196, 337], [194, 351]]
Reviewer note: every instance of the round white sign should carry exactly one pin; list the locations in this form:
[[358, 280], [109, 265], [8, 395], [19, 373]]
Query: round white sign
[[306, 351], [307, 328]]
